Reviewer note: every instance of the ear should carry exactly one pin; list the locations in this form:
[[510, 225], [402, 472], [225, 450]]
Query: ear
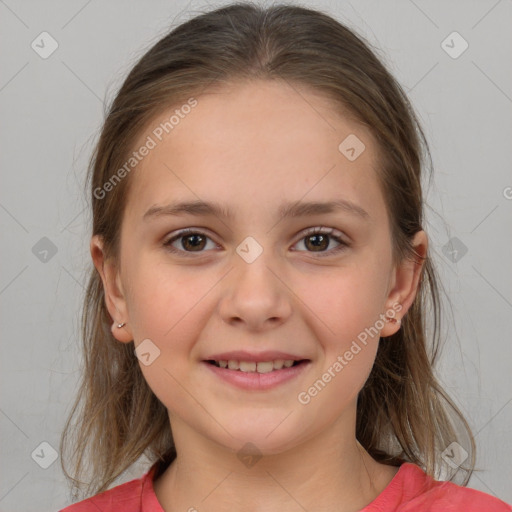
[[114, 295], [405, 283]]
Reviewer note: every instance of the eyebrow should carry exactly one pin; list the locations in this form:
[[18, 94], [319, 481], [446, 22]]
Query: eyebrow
[[287, 210]]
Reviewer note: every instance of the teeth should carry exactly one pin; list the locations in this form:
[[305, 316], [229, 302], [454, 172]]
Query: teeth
[[265, 367], [251, 366], [247, 366]]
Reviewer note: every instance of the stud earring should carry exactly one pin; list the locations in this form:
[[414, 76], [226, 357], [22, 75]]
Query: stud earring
[[394, 320], [121, 325]]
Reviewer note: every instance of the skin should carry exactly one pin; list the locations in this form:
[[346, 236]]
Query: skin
[[251, 146]]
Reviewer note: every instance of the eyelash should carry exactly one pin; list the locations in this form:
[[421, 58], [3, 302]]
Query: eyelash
[[312, 231]]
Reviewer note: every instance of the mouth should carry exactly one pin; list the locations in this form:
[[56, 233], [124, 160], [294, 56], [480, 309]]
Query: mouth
[[257, 376], [256, 367]]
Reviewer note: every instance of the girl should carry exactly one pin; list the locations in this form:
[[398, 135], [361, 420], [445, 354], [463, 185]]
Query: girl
[[255, 322]]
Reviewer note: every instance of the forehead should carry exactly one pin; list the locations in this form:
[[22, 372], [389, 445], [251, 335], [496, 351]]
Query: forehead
[[256, 143]]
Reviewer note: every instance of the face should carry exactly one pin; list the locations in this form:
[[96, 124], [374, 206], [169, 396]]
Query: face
[[257, 281]]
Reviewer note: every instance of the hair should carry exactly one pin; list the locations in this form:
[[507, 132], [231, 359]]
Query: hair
[[403, 414]]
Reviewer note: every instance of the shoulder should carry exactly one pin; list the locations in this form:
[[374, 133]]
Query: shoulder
[[449, 497], [126, 497], [439, 496]]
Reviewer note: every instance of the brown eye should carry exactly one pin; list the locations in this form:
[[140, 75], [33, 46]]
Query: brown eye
[[187, 241], [318, 241], [193, 242]]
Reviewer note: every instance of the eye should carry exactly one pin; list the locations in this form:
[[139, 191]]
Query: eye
[[191, 241], [318, 239]]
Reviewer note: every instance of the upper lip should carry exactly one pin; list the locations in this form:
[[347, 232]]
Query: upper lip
[[242, 355]]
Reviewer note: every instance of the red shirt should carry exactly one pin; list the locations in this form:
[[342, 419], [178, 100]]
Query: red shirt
[[410, 490]]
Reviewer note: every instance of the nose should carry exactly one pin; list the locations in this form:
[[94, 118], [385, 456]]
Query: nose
[[255, 295]]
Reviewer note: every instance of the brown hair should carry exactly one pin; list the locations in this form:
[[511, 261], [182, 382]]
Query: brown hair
[[403, 414]]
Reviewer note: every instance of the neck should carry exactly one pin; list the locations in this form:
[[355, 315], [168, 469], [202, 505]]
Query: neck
[[328, 472]]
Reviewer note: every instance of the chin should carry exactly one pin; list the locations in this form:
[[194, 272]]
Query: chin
[[265, 434]]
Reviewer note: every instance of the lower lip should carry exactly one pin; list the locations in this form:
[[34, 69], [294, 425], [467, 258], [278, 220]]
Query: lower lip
[[258, 381]]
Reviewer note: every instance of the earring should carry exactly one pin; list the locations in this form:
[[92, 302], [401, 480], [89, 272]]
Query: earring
[[394, 320], [121, 325]]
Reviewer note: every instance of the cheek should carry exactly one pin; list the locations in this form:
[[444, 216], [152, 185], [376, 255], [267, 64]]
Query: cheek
[[347, 326], [345, 300], [167, 309], [347, 306], [163, 298]]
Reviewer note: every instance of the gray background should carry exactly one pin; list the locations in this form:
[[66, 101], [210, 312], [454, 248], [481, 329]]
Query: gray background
[[52, 109]]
